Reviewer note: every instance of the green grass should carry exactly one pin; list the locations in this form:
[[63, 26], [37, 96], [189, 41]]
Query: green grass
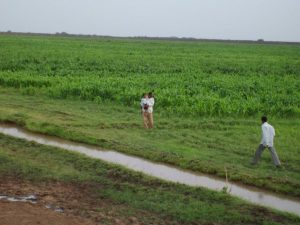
[[201, 144], [169, 202], [189, 78], [209, 98]]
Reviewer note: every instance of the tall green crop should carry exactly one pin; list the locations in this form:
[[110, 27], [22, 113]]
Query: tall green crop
[[189, 78]]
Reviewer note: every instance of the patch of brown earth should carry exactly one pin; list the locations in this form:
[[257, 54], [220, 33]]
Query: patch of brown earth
[[80, 202], [20, 213]]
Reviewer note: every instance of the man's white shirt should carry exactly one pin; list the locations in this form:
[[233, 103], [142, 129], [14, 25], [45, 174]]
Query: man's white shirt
[[151, 104], [268, 133]]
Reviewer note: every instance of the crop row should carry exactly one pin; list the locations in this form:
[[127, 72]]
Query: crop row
[[188, 78]]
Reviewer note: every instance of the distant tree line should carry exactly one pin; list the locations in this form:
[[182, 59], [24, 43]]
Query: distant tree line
[[173, 38]]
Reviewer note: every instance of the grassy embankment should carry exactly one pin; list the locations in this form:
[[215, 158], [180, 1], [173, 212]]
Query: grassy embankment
[[209, 100], [205, 145], [136, 194]]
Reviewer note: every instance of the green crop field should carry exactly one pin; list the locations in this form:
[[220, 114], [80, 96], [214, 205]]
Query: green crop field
[[209, 100], [189, 78]]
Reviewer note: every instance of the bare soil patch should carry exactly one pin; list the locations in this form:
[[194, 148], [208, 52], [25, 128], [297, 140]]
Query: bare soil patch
[[80, 203], [19, 213]]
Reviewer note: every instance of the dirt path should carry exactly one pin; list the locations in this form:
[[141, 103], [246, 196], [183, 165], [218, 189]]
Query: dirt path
[[19, 213], [80, 204]]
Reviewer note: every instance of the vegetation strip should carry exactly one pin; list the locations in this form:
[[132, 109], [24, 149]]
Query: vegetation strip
[[207, 145], [189, 78]]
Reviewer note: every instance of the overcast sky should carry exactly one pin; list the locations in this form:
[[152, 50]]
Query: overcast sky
[[276, 20]]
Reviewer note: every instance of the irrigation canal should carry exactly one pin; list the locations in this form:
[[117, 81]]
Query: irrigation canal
[[158, 170]]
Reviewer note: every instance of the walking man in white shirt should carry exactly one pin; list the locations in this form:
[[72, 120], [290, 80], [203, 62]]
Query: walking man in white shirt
[[268, 134]]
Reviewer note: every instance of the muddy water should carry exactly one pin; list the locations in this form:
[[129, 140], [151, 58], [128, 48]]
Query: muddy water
[[161, 171], [29, 198]]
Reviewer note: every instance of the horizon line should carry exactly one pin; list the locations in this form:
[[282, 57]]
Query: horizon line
[[171, 38]]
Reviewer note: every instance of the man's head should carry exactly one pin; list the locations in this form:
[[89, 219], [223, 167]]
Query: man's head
[[150, 95], [264, 119]]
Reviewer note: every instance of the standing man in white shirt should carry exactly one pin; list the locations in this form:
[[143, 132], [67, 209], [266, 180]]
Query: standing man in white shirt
[[144, 109], [150, 109], [268, 133]]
